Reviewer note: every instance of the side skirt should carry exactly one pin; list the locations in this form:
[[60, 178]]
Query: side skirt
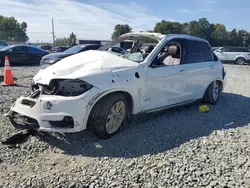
[[143, 116]]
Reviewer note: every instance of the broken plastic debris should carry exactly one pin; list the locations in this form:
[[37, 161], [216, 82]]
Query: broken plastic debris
[[228, 124], [204, 108], [18, 137], [98, 146]]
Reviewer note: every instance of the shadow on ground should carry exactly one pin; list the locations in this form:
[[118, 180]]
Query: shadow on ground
[[2, 78], [160, 132]]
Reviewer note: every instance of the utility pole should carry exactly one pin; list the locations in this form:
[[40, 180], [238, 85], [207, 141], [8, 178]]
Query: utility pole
[[244, 39], [53, 32]]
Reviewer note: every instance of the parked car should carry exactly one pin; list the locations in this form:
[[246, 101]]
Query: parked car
[[47, 48], [59, 49], [100, 90], [22, 55], [3, 44], [215, 48], [55, 57], [238, 55], [118, 50]]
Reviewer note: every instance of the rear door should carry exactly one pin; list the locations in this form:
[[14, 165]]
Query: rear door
[[199, 65], [34, 55], [245, 53], [233, 53], [164, 84]]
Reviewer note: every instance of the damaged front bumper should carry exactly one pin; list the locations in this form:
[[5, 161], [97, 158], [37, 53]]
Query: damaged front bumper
[[51, 113]]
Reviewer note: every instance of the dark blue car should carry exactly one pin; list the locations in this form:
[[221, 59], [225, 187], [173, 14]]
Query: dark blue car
[[22, 55], [3, 44]]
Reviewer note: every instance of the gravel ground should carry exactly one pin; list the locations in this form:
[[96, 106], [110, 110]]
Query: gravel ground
[[179, 148]]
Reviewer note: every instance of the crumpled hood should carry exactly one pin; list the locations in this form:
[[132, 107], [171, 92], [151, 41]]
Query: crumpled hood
[[88, 65]]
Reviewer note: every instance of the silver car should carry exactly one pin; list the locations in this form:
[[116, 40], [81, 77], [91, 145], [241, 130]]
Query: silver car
[[238, 55]]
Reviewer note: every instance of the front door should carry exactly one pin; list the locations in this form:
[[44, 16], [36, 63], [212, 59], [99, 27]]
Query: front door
[[222, 54], [165, 81], [18, 55]]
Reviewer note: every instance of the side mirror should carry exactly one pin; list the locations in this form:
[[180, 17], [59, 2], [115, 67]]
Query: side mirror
[[219, 50]]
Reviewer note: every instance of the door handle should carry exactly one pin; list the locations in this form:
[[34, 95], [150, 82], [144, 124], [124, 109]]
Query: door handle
[[182, 70], [211, 66]]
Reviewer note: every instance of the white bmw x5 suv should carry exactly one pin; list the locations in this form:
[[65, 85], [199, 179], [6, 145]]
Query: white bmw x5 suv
[[103, 90]]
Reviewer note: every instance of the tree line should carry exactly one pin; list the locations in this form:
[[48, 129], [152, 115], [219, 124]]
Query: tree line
[[216, 34], [13, 31]]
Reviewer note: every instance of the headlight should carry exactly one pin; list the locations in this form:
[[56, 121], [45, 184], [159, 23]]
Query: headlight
[[51, 61], [73, 87], [67, 87]]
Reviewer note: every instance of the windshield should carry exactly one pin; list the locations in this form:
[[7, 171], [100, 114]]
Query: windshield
[[3, 43], [142, 44], [6, 48], [74, 49]]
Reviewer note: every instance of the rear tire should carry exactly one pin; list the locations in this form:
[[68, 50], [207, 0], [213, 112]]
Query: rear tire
[[213, 92], [240, 61], [108, 115]]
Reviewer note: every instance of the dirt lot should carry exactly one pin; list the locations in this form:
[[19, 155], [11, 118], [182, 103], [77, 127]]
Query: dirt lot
[[179, 148]]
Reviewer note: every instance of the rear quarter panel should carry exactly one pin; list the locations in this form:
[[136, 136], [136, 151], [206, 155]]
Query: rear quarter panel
[[246, 56]]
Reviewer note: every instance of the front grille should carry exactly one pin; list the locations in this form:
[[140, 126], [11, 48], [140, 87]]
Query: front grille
[[23, 122], [28, 102]]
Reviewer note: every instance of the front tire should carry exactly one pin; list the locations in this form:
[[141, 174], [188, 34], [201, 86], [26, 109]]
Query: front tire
[[108, 115], [213, 92], [240, 61]]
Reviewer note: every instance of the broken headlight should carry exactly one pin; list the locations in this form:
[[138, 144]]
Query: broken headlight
[[72, 87]]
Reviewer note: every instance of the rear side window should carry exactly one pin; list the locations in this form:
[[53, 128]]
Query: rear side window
[[225, 49], [208, 52], [197, 52], [35, 50], [239, 50], [19, 49], [245, 50]]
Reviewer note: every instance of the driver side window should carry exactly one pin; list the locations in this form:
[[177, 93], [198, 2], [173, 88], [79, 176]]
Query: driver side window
[[18, 49], [225, 49], [170, 55]]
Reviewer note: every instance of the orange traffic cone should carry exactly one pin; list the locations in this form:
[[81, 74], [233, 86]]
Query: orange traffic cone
[[8, 79]]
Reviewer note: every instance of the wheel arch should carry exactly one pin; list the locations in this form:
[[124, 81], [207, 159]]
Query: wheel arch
[[239, 56], [216, 79], [130, 96]]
